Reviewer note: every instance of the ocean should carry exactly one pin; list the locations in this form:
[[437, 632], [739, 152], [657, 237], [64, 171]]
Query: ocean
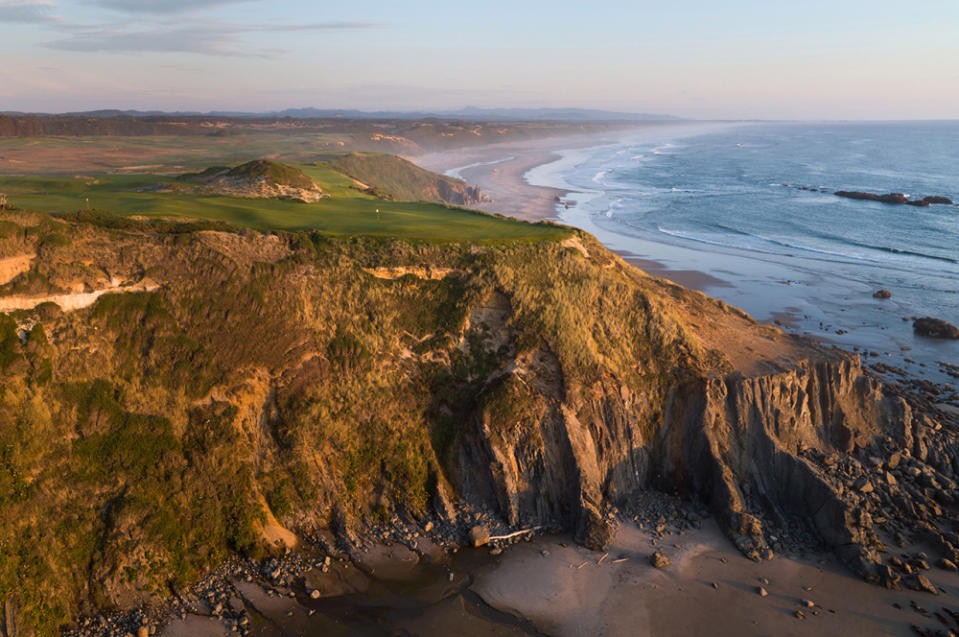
[[736, 202]]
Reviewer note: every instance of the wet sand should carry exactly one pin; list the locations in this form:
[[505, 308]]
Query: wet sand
[[550, 586]]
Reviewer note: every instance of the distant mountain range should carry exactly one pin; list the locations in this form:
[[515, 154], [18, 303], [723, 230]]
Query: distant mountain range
[[468, 113]]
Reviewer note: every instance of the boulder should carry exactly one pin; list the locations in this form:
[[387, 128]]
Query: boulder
[[855, 194], [658, 560], [882, 294], [935, 328], [946, 564], [479, 535], [893, 197], [918, 582], [938, 200]]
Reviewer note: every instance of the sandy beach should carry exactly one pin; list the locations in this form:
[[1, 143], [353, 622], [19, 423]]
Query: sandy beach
[[500, 170], [551, 586]]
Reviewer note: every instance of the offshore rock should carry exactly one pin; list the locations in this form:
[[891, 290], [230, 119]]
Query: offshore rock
[[935, 328]]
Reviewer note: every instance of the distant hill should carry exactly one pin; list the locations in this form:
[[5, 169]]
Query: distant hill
[[482, 114], [468, 113]]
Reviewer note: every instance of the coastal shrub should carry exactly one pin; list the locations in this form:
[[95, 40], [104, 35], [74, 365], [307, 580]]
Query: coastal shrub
[[9, 341], [102, 219], [53, 240], [347, 352], [9, 229]]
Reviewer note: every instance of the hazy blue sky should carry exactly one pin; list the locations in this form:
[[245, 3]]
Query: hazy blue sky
[[697, 58]]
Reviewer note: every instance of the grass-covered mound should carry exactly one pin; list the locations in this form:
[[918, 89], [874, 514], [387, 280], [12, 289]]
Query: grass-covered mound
[[396, 178], [259, 170]]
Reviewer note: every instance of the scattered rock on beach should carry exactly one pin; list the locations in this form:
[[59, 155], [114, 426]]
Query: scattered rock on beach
[[658, 560], [479, 535], [935, 328], [882, 294], [918, 582], [762, 592]]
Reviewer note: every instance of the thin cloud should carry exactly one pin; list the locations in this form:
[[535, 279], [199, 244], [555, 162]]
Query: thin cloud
[[164, 7], [27, 11], [205, 39], [188, 40]]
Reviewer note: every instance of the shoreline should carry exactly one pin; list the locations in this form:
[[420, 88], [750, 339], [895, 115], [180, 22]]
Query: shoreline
[[548, 585], [501, 172], [786, 292]]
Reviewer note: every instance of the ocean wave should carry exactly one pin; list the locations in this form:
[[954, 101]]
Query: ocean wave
[[910, 253], [599, 176], [658, 150], [614, 206], [843, 254]]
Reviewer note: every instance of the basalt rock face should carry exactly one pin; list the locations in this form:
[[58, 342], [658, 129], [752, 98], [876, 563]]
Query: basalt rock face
[[745, 445], [747, 448]]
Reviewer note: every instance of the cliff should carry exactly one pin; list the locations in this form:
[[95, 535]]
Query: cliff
[[173, 394]]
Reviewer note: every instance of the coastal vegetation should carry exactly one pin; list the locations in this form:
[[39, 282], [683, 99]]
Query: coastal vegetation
[[234, 390], [151, 434], [419, 210]]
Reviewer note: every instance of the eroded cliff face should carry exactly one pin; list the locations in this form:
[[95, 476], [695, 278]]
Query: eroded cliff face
[[267, 389], [753, 447]]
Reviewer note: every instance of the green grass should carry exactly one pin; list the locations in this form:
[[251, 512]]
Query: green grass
[[346, 212], [391, 175]]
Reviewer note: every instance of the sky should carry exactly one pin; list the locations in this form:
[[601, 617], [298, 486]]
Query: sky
[[737, 59]]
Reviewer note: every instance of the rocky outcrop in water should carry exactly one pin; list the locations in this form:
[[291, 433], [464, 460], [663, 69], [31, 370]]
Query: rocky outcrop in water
[[935, 328], [893, 198]]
